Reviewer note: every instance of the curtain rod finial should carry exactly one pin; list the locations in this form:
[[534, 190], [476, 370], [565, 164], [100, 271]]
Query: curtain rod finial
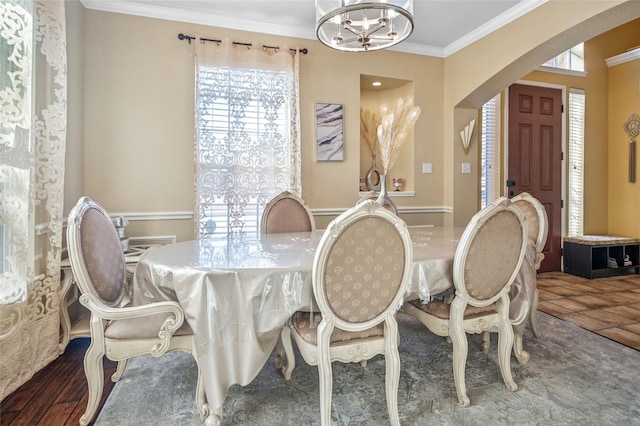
[[185, 37]]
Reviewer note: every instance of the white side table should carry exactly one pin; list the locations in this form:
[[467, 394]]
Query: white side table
[[81, 327]]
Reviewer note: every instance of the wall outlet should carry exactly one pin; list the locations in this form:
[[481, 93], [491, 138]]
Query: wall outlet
[[466, 167], [427, 168]]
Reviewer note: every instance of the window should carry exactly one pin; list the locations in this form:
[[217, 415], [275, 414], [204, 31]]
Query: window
[[490, 152], [572, 59], [247, 147], [576, 162]]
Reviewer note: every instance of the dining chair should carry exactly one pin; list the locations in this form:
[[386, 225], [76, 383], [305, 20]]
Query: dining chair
[[118, 331], [538, 228], [360, 273], [487, 259], [286, 212], [524, 291]]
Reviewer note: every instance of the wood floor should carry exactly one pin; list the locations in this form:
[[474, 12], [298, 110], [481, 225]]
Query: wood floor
[[610, 307], [57, 394]]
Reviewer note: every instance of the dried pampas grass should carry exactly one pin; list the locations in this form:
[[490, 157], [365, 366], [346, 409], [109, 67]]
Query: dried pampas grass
[[394, 129], [368, 127]]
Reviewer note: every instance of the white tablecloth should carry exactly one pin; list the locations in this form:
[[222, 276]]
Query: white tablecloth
[[238, 292]]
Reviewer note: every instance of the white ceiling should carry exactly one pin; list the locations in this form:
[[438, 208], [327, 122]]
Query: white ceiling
[[442, 27]]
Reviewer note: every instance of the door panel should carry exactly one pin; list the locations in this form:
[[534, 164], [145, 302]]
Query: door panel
[[535, 157]]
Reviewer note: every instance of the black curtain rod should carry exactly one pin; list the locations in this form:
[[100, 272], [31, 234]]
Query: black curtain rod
[[181, 36]]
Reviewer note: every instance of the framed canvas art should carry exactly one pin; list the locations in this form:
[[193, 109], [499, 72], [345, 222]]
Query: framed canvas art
[[329, 132]]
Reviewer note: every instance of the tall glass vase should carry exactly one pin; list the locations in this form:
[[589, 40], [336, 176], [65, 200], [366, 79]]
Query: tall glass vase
[[383, 199], [373, 176]]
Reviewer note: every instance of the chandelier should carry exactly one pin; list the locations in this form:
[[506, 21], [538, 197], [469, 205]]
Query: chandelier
[[361, 26]]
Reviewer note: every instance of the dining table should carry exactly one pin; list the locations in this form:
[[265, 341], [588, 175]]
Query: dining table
[[237, 292]]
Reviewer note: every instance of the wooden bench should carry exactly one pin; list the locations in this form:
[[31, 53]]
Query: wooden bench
[[597, 256]]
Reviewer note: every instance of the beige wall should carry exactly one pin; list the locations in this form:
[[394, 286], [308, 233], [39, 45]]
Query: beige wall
[[596, 85], [139, 91], [477, 73], [138, 116], [624, 196], [466, 197]]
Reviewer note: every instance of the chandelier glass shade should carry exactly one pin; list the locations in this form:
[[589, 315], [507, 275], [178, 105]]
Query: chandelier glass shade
[[361, 26]]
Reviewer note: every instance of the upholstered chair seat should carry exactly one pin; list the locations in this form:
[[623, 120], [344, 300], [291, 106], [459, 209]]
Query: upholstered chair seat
[[306, 324], [441, 309], [133, 328]]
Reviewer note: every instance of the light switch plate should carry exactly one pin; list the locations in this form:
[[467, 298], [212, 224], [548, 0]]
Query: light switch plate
[[466, 167], [427, 168]]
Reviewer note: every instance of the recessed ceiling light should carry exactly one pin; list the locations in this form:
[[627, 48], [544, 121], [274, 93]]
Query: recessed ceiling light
[[376, 83]]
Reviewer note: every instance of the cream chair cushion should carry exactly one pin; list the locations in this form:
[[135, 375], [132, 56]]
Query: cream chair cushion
[[306, 324]]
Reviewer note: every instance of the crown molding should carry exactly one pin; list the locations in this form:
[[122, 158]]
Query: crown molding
[[196, 17], [418, 49], [622, 58], [213, 20], [496, 23]]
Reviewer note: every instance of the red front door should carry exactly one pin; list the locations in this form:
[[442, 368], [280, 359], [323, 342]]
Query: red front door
[[535, 157]]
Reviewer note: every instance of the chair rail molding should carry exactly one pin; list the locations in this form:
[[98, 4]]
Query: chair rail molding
[[412, 210], [136, 216], [187, 215]]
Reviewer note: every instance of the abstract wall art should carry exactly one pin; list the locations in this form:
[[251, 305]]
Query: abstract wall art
[[329, 132]]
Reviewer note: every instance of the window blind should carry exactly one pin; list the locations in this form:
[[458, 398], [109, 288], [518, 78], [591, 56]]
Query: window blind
[[490, 152], [576, 162], [247, 136]]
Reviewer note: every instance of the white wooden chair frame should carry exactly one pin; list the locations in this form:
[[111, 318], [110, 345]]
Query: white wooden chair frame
[[104, 313]]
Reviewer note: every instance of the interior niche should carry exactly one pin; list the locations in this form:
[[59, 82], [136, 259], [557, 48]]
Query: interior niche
[[371, 97]]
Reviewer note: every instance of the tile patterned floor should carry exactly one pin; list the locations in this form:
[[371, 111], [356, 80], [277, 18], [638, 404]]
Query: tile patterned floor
[[609, 307]]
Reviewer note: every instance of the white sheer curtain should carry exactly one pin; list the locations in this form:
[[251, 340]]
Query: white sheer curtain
[[33, 103], [247, 134]]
